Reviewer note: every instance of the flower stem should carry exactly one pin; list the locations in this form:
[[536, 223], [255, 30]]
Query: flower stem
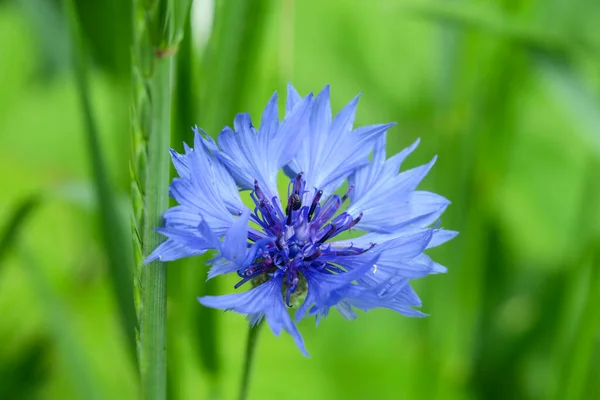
[[250, 347]]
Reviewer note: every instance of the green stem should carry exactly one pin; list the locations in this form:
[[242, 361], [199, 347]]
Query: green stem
[[154, 275], [250, 348]]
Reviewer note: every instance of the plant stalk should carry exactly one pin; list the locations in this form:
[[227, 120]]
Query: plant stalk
[[250, 348]]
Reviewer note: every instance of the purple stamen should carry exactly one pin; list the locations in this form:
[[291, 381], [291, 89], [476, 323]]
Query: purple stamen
[[350, 189], [314, 204], [298, 239]]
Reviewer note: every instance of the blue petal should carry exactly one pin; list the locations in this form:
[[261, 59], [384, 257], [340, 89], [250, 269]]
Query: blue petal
[[438, 237], [222, 265], [251, 155], [171, 250], [332, 150], [221, 178], [183, 215], [188, 237], [367, 178], [292, 98], [321, 285], [398, 256], [184, 241], [235, 244], [344, 120], [196, 200], [180, 163], [366, 300], [205, 191], [388, 200], [394, 293], [264, 300], [441, 236]]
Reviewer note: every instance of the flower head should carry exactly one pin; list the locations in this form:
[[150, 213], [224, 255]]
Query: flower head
[[290, 249]]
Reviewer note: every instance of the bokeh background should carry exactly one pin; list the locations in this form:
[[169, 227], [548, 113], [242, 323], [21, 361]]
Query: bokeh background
[[506, 93]]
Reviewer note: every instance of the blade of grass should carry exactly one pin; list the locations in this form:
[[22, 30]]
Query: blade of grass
[[158, 30], [154, 275], [59, 323], [578, 367], [577, 345], [113, 228], [17, 219]]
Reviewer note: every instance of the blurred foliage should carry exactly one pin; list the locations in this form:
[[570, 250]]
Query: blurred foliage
[[507, 93]]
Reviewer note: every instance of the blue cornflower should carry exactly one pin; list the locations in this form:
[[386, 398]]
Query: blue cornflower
[[288, 247]]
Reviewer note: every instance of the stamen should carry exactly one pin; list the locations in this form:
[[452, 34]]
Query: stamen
[[313, 256], [355, 221], [266, 212], [328, 209], [328, 234], [351, 251], [296, 241], [254, 236], [298, 183], [258, 190], [350, 189], [314, 204], [280, 242], [249, 274], [294, 204], [342, 221]]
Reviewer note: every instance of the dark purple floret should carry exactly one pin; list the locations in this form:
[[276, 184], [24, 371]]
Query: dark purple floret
[[298, 237]]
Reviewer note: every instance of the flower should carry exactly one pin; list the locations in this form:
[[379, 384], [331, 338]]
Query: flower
[[290, 248]]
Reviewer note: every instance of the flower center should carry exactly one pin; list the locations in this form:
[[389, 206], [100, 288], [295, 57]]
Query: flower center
[[295, 240]]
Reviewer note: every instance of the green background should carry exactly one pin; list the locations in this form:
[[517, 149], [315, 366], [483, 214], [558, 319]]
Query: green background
[[506, 93]]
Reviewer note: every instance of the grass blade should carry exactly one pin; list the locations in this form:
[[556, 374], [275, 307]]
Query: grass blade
[[154, 275], [579, 366], [158, 30], [113, 228], [61, 329], [20, 215]]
